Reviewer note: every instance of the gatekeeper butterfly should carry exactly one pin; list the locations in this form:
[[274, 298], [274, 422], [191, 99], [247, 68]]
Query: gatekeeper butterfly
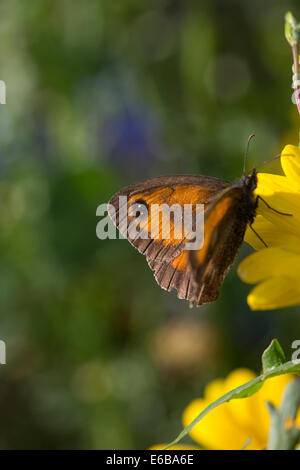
[[197, 275]]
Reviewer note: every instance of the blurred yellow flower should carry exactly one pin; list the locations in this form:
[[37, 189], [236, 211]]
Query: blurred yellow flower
[[229, 426], [277, 267]]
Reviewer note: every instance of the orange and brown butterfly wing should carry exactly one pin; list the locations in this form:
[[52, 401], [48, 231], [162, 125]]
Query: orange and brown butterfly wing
[[176, 274], [225, 223], [196, 275], [178, 189]]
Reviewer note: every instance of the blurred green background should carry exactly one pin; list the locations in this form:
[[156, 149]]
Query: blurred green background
[[101, 94]]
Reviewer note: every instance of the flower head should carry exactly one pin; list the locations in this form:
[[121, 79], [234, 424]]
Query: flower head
[[229, 426], [276, 268]]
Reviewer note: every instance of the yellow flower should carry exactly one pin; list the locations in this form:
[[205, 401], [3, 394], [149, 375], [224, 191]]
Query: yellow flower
[[228, 426], [277, 267]]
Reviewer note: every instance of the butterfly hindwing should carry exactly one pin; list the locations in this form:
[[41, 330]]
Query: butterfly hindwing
[[176, 274], [198, 275], [225, 224]]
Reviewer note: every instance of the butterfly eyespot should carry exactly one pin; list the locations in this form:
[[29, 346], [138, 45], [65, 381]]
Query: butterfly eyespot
[[139, 208]]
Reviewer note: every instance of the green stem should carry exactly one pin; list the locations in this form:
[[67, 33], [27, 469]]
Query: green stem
[[296, 81]]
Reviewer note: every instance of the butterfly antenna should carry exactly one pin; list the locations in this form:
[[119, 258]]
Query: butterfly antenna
[[272, 159], [276, 157], [246, 151]]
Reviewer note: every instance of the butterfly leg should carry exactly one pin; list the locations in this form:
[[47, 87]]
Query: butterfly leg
[[258, 236], [272, 208]]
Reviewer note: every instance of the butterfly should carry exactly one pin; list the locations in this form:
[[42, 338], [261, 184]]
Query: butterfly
[[197, 275], [229, 208]]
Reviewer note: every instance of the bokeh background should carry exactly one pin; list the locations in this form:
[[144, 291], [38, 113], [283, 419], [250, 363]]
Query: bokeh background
[[101, 94]]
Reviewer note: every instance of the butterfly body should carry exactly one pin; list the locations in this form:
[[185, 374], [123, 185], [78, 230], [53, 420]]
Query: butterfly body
[[197, 275]]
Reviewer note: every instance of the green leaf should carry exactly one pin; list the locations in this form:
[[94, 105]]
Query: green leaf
[[273, 356], [291, 29], [275, 352]]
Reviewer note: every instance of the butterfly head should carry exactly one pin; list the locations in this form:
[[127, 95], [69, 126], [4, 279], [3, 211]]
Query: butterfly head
[[249, 181]]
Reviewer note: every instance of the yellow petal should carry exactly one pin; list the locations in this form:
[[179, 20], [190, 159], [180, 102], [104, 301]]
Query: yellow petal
[[272, 235], [286, 203], [243, 411], [274, 293], [278, 269], [268, 184], [236, 378], [231, 424], [291, 166], [269, 262], [214, 389], [273, 389], [220, 429], [277, 192], [216, 430]]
